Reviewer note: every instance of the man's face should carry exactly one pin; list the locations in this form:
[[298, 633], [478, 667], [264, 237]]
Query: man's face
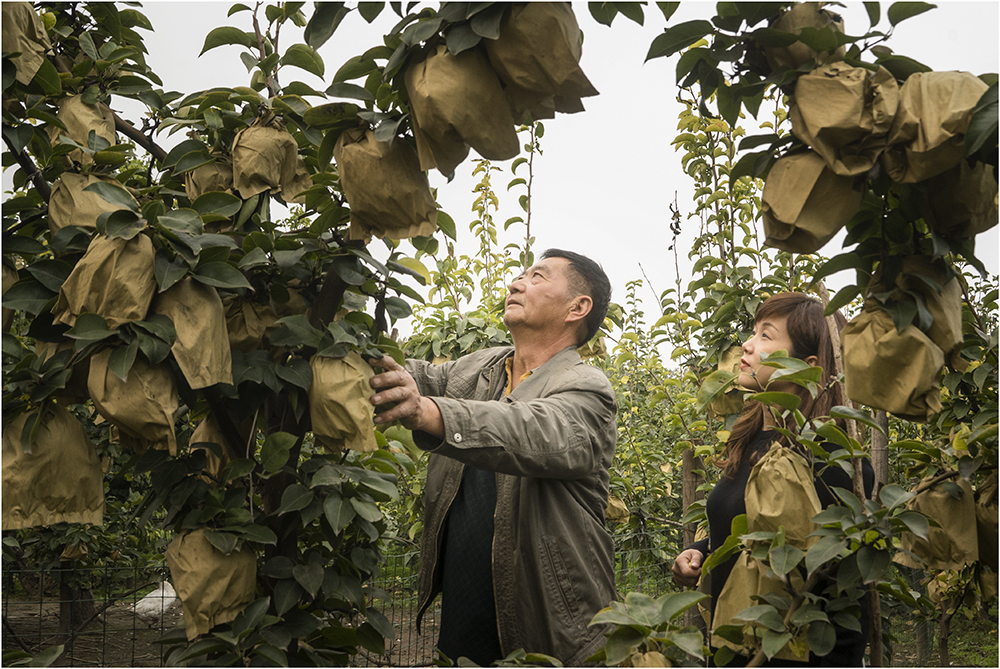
[[539, 297]]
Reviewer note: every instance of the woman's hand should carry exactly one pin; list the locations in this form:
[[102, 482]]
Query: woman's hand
[[687, 568]]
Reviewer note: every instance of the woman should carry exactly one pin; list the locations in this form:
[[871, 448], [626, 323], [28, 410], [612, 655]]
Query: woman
[[791, 322]]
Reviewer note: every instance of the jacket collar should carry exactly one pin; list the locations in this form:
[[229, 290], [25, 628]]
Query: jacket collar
[[564, 359]]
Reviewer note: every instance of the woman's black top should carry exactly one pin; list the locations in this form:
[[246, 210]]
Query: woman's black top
[[726, 501]]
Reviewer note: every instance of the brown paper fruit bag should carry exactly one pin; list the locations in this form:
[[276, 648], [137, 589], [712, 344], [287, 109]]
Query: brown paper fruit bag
[[339, 403], [986, 522], [202, 346], [142, 407], [928, 134], [208, 431], [211, 177], [70, 204], [75, 391], [454, 101], [961, 202], [213, 587], [945, 306], [844, 113], [804, 15], [781, 492], [537, 56], [388, 193], [24, 32], [749, 577], [114, 280], [954, 544], [60, 481], [899, 372], [804, 203], [9, 279], [80, 118], [266, 158], [248, 323]]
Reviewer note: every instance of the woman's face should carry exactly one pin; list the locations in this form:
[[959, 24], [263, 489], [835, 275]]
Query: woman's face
[[769, 335]]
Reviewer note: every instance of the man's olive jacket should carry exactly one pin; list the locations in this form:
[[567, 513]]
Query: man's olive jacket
[[550, 443]]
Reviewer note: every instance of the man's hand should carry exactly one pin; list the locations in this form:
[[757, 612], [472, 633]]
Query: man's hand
[[687, 568], [412, 409]]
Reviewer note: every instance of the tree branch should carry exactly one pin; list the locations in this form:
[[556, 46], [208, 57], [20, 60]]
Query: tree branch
[[35, 174], [136, 135]]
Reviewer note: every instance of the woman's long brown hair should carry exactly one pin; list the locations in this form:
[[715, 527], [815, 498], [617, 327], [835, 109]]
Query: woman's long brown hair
[[810, 335]]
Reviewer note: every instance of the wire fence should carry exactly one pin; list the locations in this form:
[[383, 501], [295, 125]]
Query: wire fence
[[114, 616]]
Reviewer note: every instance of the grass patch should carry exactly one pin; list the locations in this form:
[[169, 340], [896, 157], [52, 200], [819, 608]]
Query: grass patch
[[974, 642]]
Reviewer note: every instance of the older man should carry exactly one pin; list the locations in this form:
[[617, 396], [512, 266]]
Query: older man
[[521, 439]]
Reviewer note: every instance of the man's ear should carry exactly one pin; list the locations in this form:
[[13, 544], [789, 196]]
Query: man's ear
[[579, 308]]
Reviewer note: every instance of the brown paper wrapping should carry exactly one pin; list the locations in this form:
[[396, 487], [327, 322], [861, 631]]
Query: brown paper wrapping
[[208, 431], [213, 587], [70, 204], [339, 403], [961, 202], [60, 481], [954, 544], [75, 391], [266, 158], [945, 307], [616, 511], [986, 522], [781, 491], [897, 372], [804, 15], [537, 56], [749, 577], [9, 279], [24, 31], [732, 400], [454, 101], [142, 407], [248, 323], [211, 177], [928, 134], [80, 118], [114, 280], [388, 193], [805, 203], [844, 113], [202, 345]]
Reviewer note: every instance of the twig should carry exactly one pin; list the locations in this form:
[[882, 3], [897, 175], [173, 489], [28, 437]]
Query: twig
[[28, 165], [136, 135], [934, 481]]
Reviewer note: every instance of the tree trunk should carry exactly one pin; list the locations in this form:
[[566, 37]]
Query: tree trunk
[[944, 631], [880, 452], [922, 634], [76, 605]]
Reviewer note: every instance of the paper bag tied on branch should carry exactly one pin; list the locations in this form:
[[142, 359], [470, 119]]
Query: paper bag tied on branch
[[70, 204], [805, 203], [213, 587], [944, 305], [781, 492], [537, 56], [24, 32], [211, 177], [928, 134], [961, 202], [339, 403], [804, 15], [732, 400], [844, 113], [80, 118], [75, 391], [747, 578], [954, 544], [457, 101], [114, 280], [899, 372], [388, 193], [202, 346], [986, 521], [142, 407], [59, 481], [208, 431], [266, 158], [248, 323]]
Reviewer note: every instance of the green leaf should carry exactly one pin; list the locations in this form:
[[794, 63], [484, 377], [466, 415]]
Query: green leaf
[[461, 38], [356, 67], [89, 328], [287, 593], [823, 551], [916, 523], [487, 22], [370, 639], [856, 414], [50, 273], [309, 576], [237, 468], [116, 195], [784, 400], [872, 563], [324, 22], [679, 37], [305, 57], [773, 642], [295, 498], [902, 67], [982, 129], [785, 558], [47, 657], [379, 488], [894, 495], [296, 372], [275, 451], [259, 534], [900, 11], [713, 387], [224, 541], [296, 331], [341, 90], [367, 510], [339, 513], [220, 275], [874, 10], [216, 202], [272, 654], [185, 220], [27, 295], [225, 35], [822, 636], [121, 359], [620, 644], [675, 603]]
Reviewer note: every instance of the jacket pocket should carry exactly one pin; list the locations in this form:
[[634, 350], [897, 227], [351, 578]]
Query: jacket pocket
[[559, 585]]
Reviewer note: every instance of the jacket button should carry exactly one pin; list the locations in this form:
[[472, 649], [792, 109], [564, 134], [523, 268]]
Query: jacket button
[[457, 438]]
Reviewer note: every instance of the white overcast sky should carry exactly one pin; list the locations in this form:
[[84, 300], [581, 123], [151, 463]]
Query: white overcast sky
[[603, 186]]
